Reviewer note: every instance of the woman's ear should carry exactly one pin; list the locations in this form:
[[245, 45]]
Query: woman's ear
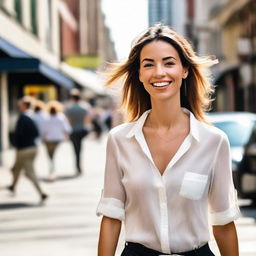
[[185, 73]]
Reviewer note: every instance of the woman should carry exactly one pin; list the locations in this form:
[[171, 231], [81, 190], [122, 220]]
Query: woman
[[40, 116], [55, 130], [167, 166]]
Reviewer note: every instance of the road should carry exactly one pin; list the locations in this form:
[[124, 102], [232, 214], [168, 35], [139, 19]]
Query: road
[[67, 225]]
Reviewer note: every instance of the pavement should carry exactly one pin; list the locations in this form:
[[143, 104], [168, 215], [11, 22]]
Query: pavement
[[66, 225]]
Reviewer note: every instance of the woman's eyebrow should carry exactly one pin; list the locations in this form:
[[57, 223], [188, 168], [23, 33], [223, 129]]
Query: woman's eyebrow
[[146, 59], [165, 58], [169, 57]]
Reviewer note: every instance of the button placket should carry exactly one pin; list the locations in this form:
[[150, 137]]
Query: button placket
[[164, 218]]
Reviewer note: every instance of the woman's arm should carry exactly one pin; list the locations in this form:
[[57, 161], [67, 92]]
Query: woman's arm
[[226, 238], [109, 234]]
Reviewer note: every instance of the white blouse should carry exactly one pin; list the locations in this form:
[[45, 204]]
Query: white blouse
[[169, 212], [56, 128]]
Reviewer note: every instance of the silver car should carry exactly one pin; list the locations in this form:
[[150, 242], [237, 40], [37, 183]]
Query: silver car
[[240, 128]]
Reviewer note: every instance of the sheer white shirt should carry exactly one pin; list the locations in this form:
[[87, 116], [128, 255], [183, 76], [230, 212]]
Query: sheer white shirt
[[169, 212]]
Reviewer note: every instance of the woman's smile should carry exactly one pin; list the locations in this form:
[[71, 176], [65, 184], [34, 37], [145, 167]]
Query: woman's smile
[[161, 85]]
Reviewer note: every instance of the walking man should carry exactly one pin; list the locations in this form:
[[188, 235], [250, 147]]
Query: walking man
[[78, 115], [25, 135]]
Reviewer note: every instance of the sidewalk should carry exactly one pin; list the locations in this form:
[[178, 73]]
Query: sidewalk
[[67, 224]]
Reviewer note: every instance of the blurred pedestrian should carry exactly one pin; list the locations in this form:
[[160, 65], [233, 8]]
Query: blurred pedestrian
[[97, 121], [108, 118], [25, 135], [40, 116], [167, 166], [56, 129], [78, 114]]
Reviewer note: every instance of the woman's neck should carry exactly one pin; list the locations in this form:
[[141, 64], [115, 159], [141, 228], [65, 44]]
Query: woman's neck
[[166, 115]]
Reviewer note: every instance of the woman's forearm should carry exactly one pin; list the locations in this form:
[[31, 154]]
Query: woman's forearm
[[109, 234], [226, 238]]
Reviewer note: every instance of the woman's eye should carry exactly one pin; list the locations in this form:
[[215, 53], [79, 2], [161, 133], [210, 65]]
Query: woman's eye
[[169, 63], [148, 65]]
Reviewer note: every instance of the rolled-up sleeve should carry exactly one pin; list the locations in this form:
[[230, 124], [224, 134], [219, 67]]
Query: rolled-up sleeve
[[113, 195], [222, 196]]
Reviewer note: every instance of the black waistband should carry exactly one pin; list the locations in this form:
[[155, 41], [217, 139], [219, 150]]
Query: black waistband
[[143, 250]]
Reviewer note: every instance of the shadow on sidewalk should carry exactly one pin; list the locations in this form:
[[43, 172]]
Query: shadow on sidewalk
[[14, 206], [61, 178]]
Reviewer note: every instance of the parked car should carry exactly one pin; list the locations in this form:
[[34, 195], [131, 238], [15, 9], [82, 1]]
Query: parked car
[[240, 128]]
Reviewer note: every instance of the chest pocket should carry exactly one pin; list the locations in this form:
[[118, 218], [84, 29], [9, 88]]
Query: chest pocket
[[193, 185]]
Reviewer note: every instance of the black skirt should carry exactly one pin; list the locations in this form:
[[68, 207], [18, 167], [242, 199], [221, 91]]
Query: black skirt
[[135, 249]]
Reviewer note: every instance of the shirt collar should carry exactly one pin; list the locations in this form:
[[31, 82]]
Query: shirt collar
[[193, 124], [137, 127], [138, 124]]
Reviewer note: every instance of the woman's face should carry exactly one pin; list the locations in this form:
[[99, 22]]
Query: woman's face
[[161, 70]]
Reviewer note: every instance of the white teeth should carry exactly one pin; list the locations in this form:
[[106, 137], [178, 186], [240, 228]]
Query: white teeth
[[161, 84]]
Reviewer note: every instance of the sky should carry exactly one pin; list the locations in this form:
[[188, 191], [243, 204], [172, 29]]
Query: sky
[[126, 19]]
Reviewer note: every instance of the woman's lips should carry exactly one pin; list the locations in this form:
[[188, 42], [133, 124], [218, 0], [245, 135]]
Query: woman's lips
[[161, 84]]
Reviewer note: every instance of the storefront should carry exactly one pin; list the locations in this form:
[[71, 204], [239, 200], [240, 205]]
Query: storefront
[[21, 74]]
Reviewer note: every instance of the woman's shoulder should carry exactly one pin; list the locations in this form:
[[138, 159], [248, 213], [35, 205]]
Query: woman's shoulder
[[211, 131], [121, 130]]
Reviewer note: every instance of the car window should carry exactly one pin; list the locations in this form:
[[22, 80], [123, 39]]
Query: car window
[[238, 132]]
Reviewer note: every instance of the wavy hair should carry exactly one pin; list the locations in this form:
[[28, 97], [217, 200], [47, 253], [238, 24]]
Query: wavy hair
[[196, 89]]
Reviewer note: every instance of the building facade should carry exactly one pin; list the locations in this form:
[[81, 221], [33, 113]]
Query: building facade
[[160, 11], [227, 29], [37, 38], [85, 42], [173, 13]]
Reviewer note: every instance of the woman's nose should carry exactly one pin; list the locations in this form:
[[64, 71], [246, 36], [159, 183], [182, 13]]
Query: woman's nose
[[159, 71]]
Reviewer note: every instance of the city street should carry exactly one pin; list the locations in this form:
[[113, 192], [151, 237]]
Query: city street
[[67, 224]]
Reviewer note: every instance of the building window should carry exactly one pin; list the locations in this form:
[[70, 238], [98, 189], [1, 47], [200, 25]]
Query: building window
[[18, 10], [33, 17]]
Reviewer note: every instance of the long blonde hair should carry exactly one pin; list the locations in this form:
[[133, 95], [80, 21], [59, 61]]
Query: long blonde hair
[[195, 94]]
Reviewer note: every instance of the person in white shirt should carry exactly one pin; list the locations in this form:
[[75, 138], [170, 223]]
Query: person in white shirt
[[55, 129], [167, 170], [39, 116]]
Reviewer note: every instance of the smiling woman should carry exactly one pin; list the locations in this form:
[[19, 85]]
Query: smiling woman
[[166, 167], [136, 99]]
